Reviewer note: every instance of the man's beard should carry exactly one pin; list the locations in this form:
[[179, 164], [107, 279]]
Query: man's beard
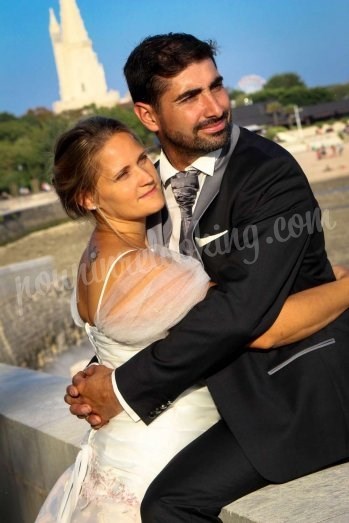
[[200, 145]]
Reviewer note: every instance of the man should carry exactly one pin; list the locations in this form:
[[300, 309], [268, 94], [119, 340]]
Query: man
[[255, 225]]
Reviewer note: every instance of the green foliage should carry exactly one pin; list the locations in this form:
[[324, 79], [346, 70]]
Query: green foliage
[[271, 132], [6, 117], [128, 117], [339, 91], [294, 96], [284, 81], [289, 89], [303, 96], [239, 97], [235, 93], [27, 142]]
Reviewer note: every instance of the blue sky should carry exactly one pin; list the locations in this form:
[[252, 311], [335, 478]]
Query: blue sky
[[263, 37]]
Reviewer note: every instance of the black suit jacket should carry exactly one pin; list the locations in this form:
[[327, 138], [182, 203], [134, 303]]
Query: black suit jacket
[[288, 407]]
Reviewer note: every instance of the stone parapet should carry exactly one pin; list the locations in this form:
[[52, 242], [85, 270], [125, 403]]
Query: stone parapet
[[36, 322], [317, 498], [39, 439], [15, 223]]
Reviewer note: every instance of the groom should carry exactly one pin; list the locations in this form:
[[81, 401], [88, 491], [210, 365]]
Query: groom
[[255, 226]]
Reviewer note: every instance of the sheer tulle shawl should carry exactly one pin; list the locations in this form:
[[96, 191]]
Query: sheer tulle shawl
[[153, 292]]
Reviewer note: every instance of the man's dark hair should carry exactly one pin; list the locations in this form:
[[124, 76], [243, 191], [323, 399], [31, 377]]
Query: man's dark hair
[[160, 57]]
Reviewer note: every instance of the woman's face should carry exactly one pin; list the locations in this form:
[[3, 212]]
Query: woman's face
[[128, 186]]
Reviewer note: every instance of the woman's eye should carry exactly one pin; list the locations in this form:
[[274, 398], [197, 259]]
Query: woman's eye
[[120, 176]]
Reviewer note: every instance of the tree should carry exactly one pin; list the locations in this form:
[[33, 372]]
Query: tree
[[304, 96], [235, 93], [6, 117], [274, 108], [27, 142], [284, 81], [340, 91]]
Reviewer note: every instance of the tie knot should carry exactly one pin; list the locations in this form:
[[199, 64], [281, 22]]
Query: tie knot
[[185, 185]]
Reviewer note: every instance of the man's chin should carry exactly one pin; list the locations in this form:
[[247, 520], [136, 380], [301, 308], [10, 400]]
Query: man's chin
[[216, 140]]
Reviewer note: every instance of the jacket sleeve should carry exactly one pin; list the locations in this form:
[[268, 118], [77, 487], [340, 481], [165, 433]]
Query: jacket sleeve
[[255, 274]]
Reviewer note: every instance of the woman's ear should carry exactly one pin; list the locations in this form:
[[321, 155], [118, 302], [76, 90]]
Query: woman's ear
[[147, 116], [87, 202]]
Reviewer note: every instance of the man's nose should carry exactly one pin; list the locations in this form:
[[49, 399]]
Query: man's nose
[[212, 106]]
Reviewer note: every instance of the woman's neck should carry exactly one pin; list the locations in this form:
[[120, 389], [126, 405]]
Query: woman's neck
[[130, 232]]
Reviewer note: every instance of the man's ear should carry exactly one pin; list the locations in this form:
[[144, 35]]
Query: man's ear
[[147, 116]]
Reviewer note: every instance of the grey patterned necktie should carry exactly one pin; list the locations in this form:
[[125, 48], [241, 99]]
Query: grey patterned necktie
[[185, 186]]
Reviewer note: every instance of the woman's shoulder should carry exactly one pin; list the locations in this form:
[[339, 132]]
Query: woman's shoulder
[[98, 265]]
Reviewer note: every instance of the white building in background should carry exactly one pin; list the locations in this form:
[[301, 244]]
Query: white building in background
[[80, 75]]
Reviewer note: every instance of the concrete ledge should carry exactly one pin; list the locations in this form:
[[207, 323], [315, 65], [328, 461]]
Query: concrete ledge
[[27, 214], [36, 322], [319, 497], [39, 439]]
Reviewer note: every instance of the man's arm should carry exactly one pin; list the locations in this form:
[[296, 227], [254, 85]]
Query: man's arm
[[245, 303]]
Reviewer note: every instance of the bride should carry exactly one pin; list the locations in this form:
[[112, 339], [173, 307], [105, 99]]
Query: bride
[[128, 295]]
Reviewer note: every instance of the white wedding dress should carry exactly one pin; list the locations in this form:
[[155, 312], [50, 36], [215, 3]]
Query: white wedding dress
[[117, 463]]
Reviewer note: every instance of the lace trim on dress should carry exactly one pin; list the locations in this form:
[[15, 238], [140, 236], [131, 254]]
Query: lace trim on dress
[[101, 484]]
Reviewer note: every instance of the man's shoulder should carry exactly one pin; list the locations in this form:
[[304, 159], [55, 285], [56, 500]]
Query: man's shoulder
[[255, 153], [258, 162], [260, 146]]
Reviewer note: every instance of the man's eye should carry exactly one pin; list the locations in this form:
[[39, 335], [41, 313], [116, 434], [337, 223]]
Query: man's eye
[[188, 98]]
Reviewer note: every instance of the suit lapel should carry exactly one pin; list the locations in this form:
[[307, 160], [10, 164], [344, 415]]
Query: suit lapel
[[212, 184], [159, 228]]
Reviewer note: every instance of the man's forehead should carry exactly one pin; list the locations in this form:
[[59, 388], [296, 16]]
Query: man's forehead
[[195, 76]]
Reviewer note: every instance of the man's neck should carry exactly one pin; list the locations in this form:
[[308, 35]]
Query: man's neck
[[180, 160]]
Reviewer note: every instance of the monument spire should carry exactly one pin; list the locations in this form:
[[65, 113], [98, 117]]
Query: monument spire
[[54, 25], [73, 28], [81, 76]]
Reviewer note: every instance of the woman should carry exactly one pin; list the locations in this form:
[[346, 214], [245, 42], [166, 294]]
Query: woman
[[127, 296]]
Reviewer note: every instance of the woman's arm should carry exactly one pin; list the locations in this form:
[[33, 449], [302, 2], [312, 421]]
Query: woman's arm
[[307, 312]]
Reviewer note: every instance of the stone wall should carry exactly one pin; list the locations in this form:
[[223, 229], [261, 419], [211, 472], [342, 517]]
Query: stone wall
[[35, 319], [18, 223], [39, 439]]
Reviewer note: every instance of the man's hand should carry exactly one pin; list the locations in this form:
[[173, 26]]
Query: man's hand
[[91, 396]]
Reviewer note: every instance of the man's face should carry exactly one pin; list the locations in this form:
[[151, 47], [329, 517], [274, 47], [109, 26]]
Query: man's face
[[194, 113]]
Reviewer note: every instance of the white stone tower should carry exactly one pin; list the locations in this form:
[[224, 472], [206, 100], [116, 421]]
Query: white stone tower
[[80, 75]]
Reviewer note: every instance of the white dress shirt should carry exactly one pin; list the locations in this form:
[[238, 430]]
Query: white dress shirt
[[204, 164]]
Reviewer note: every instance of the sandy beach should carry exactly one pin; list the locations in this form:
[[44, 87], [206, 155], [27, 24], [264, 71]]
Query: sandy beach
[[328, 168]]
